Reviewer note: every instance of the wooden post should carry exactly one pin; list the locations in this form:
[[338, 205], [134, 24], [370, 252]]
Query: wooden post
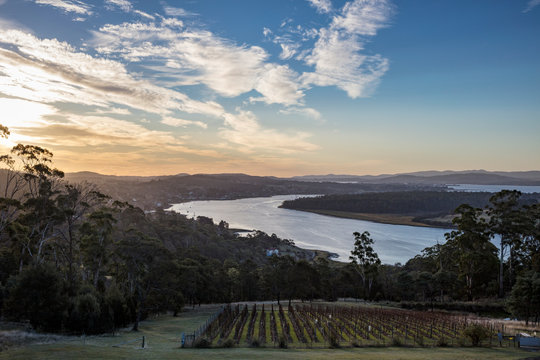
[[143, 342]]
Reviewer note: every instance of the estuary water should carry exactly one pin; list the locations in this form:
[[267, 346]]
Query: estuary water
[[494, 188], [393, 243]]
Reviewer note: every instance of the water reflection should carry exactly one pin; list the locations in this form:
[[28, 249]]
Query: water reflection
[[393, 243]]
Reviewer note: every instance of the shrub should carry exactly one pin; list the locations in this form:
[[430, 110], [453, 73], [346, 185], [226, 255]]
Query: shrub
[[202, 343], [37, 294], [229, 343], [476, 333], [397, 342], [255, 343], [419, 340], [334, 342], [441, 342], [283, 342]]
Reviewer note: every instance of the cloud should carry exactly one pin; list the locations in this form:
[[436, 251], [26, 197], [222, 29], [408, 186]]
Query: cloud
[[322, 6], [278, 86], [288, 51], [112, 110], [74, 6], [143, 14], [127, 6], [39, 124], [12, 24], [337, 55], [531, 4], [200, 57], [182, 123], [174, 11], [304, 111], [51, 71], [124, 5], [245, 131]]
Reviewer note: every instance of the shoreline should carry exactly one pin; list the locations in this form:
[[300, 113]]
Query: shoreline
[[391, 219]]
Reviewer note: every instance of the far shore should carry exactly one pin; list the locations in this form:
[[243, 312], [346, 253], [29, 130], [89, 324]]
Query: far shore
[[392, 219]]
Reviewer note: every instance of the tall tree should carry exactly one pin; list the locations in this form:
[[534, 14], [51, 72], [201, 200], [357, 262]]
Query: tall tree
[[477, 255], [365, 259], [506, 221]]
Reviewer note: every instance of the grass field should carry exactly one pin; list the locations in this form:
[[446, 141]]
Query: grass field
[[163, 342]]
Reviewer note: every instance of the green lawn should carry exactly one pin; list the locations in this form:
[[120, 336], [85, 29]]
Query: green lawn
[[163, 339]]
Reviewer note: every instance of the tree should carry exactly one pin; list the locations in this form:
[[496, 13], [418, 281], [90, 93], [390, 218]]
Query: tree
[[476, 254], [141, 256], [524, 299], [96, 233], [505, 220], [37, 295], [530, 247], [365, 259]]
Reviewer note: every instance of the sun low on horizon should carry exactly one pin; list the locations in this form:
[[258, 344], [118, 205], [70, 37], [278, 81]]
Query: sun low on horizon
[[284, 87]]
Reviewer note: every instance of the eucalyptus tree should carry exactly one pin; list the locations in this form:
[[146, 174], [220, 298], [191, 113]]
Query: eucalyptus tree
[[365, 259], [39, 212], [477, 256], [506, 221]]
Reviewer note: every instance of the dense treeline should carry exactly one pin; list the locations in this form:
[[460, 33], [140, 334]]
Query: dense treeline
[[150, 193], [416, 203], [74, 260]]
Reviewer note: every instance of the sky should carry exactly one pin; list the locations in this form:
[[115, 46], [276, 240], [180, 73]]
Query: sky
[[273, 87]]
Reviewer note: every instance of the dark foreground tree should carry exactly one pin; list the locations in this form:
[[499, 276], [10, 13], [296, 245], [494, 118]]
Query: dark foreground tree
[[477, 256], [524, 301], [365, 260]]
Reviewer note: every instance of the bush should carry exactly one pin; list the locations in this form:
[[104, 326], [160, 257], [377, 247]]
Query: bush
[[255, 343], [419, 340], [355, 344], [229, 343], [84, 317], [476, 333], [283, 342], [37, 294], [202, 343], [334, 342], [397, 342], [441, 342]]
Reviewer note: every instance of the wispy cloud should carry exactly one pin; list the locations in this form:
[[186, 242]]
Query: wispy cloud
[[175, 11], [200, 57], [322, 6], [305, 111], [531, 5], [127, 6], [145, 15], [74, 6], [124, 5], [51, 71], [338, 53], [244, 130], [171, 121], [112, 110]]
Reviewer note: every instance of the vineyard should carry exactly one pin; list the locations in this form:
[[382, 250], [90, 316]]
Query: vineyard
[[312, 326]]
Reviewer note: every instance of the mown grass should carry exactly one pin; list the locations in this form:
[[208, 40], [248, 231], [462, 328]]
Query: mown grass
[[163, 342]]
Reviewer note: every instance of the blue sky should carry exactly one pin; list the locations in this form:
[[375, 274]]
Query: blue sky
[[282, 87]]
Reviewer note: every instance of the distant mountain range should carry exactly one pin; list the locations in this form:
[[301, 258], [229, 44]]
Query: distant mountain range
[[477, 177], [161, 191]]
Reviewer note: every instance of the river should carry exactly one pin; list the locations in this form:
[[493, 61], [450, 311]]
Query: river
[[393, 243]]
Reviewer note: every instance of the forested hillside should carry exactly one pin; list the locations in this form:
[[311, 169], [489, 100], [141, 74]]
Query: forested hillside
[[75, 260], [414, 203], [155, 192]]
